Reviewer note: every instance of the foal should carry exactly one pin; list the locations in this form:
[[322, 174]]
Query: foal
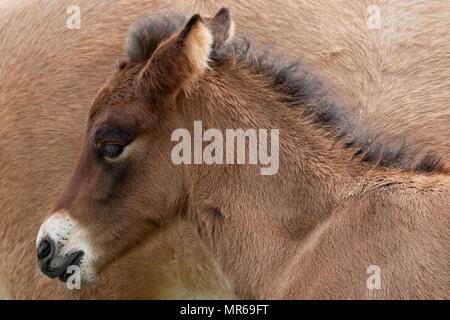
[[342, 200]]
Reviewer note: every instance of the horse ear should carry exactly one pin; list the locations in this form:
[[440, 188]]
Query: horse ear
[[179, 61], [222, 27]]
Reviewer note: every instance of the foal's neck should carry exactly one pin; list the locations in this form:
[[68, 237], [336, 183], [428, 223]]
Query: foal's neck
[[237, 205]]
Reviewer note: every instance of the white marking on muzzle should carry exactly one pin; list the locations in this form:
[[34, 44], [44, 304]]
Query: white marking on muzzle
[[69, 237]]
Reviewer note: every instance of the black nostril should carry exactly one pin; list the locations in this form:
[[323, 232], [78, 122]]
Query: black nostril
[[46, 250]]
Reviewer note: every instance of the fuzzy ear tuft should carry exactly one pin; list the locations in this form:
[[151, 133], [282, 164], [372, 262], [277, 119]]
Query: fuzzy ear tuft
[[222, 27], [179, 61]]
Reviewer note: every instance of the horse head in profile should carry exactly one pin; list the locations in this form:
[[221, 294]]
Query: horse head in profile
[[126, 150], [194, 75]]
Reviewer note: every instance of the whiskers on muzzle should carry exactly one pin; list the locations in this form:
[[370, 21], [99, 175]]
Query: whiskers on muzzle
[[61, 243], [57, 267]]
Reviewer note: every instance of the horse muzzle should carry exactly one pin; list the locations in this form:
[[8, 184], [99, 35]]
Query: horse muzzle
[[61, 244], [57, 266]]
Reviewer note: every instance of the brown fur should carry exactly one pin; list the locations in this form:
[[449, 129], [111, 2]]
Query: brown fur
[[330, 212], [46, 87]]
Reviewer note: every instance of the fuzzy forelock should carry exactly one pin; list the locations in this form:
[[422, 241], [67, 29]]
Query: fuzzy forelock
[[144, 35]]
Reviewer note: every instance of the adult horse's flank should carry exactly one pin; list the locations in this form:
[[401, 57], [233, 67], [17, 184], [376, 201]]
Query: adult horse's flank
[[343, 199]]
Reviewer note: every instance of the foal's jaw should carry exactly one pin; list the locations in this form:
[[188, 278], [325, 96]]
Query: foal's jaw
[[62, 243]]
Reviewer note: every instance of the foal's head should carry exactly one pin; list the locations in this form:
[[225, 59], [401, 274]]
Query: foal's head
[[125, 186]]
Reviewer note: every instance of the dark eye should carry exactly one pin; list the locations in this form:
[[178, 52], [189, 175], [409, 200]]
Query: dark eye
[[111, 149]]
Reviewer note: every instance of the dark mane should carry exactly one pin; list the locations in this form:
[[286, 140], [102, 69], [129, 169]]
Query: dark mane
[[144, 35], [300, 86]]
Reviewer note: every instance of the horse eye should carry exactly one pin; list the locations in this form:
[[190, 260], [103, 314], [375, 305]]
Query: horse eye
[[111, 149]]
